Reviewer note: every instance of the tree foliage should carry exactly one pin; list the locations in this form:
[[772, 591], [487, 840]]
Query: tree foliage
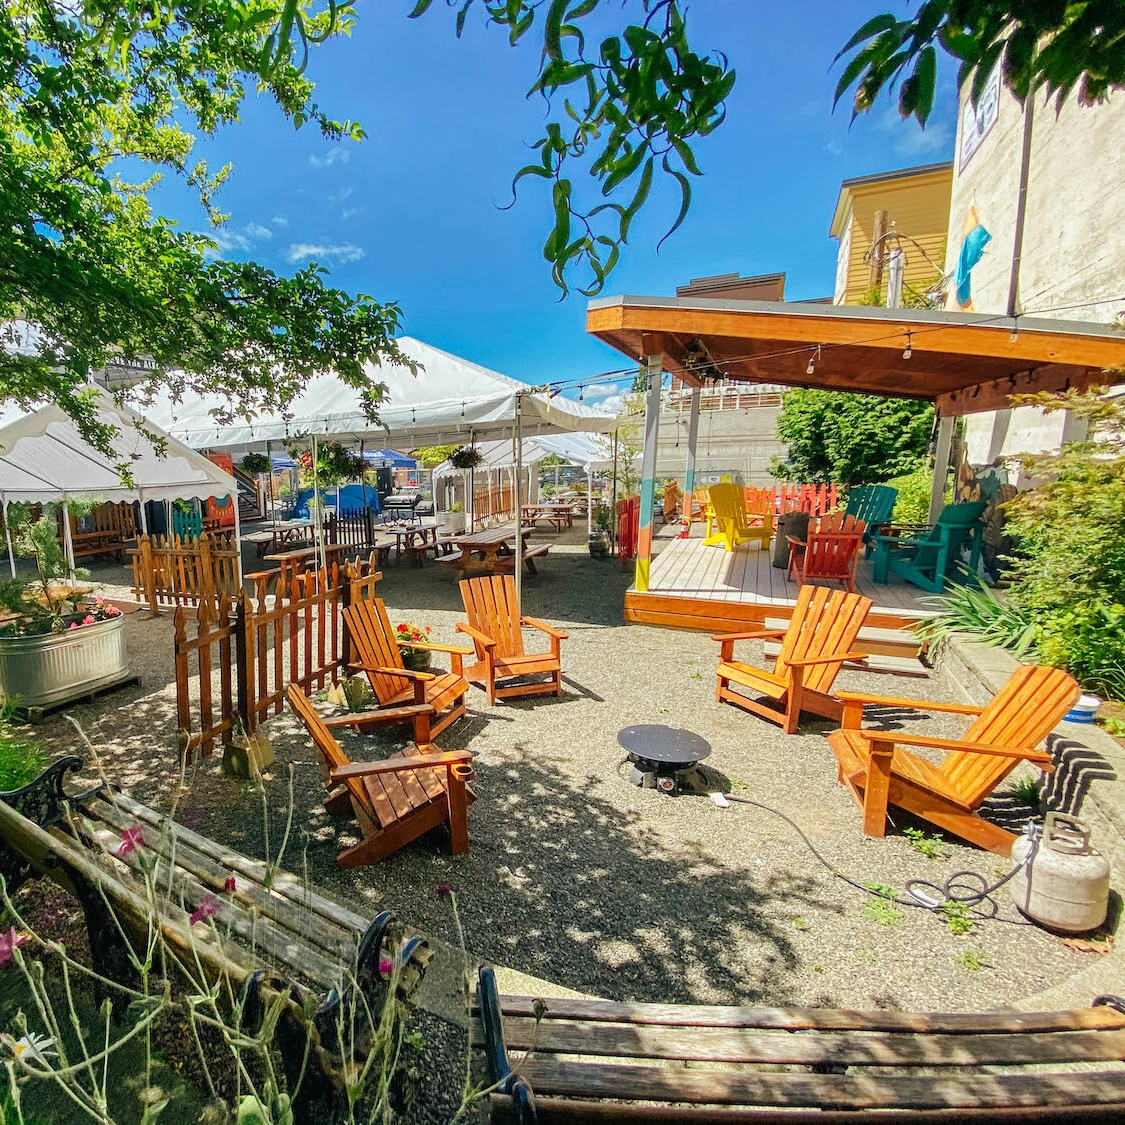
[[1054, 45], [100, 100], [841, 438]]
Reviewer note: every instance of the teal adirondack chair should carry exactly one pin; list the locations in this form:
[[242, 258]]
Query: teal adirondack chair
[[873, 504], [929, 554]]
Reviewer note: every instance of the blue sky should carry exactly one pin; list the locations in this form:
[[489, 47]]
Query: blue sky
[[412, 213]]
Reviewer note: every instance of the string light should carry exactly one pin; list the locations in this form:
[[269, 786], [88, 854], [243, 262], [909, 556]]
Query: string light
[[1015, 333], [812, 361], [582, 392], [906, 352]]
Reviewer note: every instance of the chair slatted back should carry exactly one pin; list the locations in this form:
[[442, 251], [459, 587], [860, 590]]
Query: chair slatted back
[[671, 500], [331, 751], [872, 503], [492, 608], [728, 504], [1025, 710], [954, 523], [824, 622], [832, 544], [373, 643]]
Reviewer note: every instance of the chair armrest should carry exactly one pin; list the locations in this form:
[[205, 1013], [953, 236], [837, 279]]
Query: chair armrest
[[917, 704], [380, 715], [793, 541], [756, 635], [829, 659], [427, 646], [1039, 757], [543, 627], [399, 765], [402, 673], [476, 634]]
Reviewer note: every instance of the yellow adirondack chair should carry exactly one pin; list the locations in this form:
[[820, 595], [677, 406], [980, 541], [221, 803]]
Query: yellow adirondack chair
[[819, 639], [880, 771], [728, 522]]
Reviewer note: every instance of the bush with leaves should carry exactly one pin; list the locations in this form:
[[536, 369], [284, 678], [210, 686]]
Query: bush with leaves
[[912, 505], [839, 438]]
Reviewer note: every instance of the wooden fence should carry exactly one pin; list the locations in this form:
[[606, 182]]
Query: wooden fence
[[489, 503], [628, 526], [258, 647], [169, 570], [816, 499]]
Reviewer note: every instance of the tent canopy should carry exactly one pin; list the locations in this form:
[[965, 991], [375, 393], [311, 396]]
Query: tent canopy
[[44, 458], [580, 449], [376, 458], [450, 400]]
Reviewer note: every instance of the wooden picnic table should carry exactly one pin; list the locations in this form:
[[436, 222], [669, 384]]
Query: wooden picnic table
[[294, 562], [278, 536], [560, 515], [491, 551], [412, 535]]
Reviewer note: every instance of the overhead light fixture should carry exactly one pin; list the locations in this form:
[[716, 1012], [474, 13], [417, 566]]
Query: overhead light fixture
[[812, 361], [581, 393], [906, 352], [1015, 332]]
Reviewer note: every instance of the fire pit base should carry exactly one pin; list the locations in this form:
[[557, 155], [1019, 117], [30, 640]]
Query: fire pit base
[[661, 755]]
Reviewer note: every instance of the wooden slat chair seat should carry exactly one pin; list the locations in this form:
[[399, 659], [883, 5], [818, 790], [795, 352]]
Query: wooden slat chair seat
[[880, 771], [928, 555], [820, 638], [375, 652], [728, 521], [829, 552], [601, 1061], [394, 801], [494, 626]]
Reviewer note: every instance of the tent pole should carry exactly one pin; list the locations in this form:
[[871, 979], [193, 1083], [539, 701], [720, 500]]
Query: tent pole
[[692, 439], [68, 542], [519, 502], [8, 540], [613, 501], [269, 479], [318, 522], [237, 539], [362, 475], [142, 513], [470, 499], [589, 502], [654, 371]]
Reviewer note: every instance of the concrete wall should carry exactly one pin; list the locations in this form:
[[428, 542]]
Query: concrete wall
[[1073, 252], [742, 441]]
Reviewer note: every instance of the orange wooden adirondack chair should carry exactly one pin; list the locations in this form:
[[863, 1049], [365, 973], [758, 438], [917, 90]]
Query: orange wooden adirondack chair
[[728, 521], [671, 501], [879, 770], [396, 800], [494, 627], [829, 552], [819, 639], [375, 652]]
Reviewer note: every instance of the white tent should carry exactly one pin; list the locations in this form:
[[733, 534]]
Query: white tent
[[450, 399], [44, 458]]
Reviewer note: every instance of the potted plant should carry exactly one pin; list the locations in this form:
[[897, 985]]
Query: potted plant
[[255, 464], [453, 518], [466, 457], [58, 642], [600, 540], [416, 659]]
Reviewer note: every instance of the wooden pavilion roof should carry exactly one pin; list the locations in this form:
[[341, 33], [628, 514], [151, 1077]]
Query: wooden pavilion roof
[[965, 362]]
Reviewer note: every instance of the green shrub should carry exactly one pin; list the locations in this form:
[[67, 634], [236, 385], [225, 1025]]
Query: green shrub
[[1001, 624], [1088, 640], [21, 761], [913, 502]]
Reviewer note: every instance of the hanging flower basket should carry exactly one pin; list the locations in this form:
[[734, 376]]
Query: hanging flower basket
[[467, 457], [254, 464]]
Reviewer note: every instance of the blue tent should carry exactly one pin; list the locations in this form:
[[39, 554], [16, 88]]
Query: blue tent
[[379, 458]]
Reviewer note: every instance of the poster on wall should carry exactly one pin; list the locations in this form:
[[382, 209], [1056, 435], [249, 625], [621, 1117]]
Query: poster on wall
[[976, 121]]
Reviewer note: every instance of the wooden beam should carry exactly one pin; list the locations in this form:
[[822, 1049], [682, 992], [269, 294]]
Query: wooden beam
[[996, 395]]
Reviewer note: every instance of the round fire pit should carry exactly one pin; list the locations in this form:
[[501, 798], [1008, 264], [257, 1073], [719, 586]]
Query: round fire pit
[[661, 754]]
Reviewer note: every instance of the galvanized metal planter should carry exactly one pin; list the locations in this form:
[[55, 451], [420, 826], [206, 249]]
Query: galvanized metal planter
[[56, 667]]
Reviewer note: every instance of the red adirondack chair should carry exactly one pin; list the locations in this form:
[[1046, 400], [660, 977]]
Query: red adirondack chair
[[829, 552]]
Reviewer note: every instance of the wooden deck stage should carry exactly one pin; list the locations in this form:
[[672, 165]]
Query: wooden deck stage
[[696, 587]]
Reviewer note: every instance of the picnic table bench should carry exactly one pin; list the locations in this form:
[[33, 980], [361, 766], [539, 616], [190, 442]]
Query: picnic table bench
[[490, 552], [559, 516], [274, 939], [596, 1060]]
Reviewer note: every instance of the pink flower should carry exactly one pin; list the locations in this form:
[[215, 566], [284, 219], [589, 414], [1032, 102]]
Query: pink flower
[[205, 909], [98, 599], [9, 943], [73, 625], [112, 611], [444, 888], [88, 619], [230, 886], [386, 967], [130, 839]]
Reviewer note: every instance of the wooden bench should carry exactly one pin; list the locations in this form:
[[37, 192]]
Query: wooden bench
[[274, 941], [797, 1066], [507, 563], [463, 562]]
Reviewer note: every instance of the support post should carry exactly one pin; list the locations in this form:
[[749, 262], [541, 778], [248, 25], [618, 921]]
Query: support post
[[269, 480], [654, 365], [68, 543], [941, 465], [613, 502], [895, 278], [692, 441], [589, 502], [237, 539], [8, 540], [142, 512], [318, 521], [519, 502]]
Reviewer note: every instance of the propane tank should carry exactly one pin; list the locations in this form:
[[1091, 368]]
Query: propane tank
[[1062, 882]]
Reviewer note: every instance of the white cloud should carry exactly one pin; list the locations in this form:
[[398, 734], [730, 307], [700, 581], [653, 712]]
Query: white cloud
[[912, 141], [279, 221], [257, 231], [613, 403], [230, 241], [341, 252], [833, 147], [335, 155], [600, 390], [341, 195], [350, 212]]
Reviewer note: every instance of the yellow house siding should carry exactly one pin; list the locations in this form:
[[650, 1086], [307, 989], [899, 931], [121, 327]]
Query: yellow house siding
[[918, 207]]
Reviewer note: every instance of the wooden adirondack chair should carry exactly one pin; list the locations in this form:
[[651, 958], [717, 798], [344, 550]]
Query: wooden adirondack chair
[[819, 639], [396, 800], [829, 552], [375, 652], [929, 554], [671, 501], [874, 504], [880, 771], [728, 522], [494, 628]]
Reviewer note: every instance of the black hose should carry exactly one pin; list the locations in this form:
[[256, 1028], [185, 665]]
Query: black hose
[[957, 888]]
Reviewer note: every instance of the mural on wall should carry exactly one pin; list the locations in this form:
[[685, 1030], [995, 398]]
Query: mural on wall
[[989, 483]]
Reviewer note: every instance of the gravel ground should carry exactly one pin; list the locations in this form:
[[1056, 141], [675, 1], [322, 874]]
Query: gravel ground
[[579, 877]]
